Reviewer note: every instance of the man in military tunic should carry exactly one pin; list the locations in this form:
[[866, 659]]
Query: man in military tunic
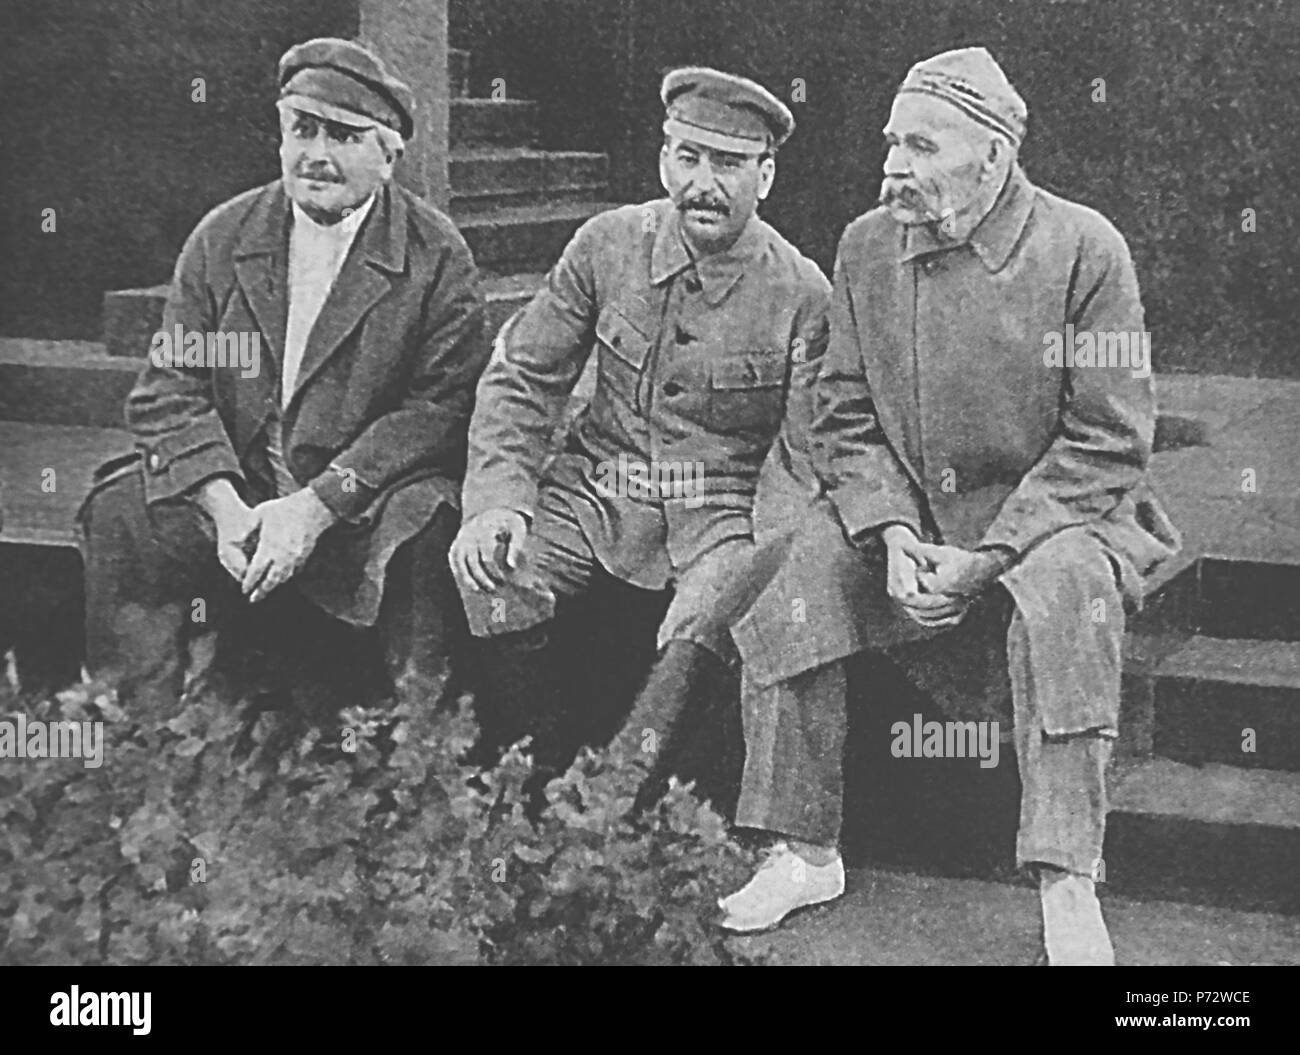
[[969, 468], [702, 319]]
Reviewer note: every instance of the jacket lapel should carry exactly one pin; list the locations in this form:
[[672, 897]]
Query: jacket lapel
[[261, 264], [378, 253]]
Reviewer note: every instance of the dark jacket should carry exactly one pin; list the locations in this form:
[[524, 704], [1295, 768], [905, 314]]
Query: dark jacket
[[377, 422]]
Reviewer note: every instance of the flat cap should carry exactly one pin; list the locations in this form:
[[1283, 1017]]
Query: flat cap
[[974, 83], [342, 80], [723, 111]]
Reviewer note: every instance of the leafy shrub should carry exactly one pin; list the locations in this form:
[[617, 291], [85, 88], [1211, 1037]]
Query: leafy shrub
[[221, 838]]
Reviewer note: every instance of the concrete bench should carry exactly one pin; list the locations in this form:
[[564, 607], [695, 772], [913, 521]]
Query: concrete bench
[[45, 473]]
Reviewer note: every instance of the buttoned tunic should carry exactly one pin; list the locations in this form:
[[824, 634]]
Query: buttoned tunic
[[695, 359]]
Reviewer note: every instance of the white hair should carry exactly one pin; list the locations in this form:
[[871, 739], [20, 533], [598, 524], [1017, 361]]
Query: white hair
[[391, 140]]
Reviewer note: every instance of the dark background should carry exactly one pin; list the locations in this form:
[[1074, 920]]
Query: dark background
[[1199, 123]]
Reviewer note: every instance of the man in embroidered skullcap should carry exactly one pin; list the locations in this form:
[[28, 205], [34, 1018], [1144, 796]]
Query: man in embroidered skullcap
[[319, 488], [703, 321], [972, 474]]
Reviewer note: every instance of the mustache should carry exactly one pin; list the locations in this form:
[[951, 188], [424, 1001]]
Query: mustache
[[705, 203], [895, 190], [324, 175]]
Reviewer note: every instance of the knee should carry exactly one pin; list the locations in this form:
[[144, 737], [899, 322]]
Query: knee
[[112, 504], [508, 609], [1073, 566]]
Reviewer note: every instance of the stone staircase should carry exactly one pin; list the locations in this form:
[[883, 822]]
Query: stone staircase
[[1205, 800]]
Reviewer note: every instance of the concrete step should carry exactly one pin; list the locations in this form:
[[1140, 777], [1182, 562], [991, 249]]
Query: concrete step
[[1215, 833], [1176, 432], [458, 72], [489, 122], [902, 919], [63, 382], [1213, 654], [503, 295], [1231, 701], [1249, 599], [525, 238], [133, 311], [44, 475], [1220, 597], [130, 318], [485, 178]]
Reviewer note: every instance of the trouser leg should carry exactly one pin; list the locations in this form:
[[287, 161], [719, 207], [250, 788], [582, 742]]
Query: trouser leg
[[826, 604], [151, 577], [421, 623], [1065, 657], [794, 755], [685, 723], [515, 694], [517, 688], [686, 720], [1062, 778]]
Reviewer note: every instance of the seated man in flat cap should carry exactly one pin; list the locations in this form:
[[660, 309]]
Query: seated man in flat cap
[[703, 320], [967, 472], [320, 487]]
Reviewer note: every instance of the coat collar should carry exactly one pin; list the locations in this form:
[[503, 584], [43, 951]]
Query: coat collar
[[718, 272], [261, 254], [266, 230], [994, 237]]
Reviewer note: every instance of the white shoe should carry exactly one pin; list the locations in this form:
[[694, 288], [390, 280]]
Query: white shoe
[[1074, 934], [783, 883]]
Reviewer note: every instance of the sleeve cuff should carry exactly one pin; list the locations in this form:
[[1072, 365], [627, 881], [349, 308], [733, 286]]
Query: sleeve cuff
[[1008, 556], [475, 500], [343, 493], [169, 476], [863, 513]]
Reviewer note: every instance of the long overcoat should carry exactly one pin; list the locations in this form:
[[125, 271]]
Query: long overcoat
[[940, 405]]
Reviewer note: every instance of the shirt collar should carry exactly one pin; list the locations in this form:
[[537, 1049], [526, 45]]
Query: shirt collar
[[344, 230], [717, 272], [994, 237]]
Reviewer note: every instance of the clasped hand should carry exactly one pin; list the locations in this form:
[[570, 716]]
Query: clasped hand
[[285, 532], [936, 584]]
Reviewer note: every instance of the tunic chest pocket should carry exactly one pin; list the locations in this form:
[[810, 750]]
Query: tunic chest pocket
[[747, 391], [622, 348]]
